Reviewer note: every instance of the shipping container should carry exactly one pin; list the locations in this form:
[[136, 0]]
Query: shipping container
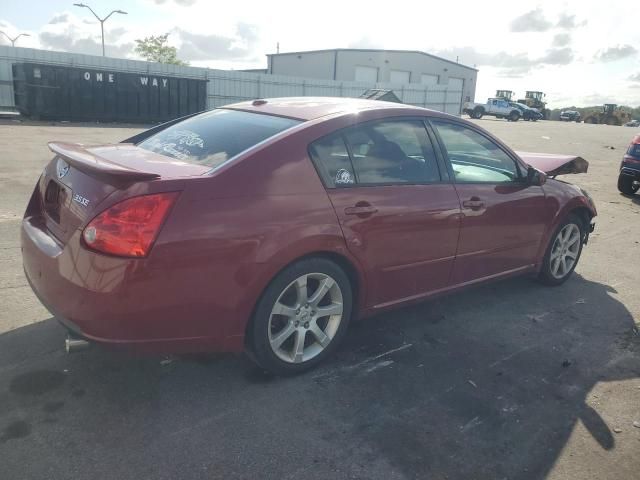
[[53, 92]]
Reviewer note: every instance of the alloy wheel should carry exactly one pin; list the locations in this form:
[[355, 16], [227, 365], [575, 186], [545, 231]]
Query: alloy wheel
[[565, 251], [305, 317]]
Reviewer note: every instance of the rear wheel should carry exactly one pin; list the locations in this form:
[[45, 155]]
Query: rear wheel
[[301, 317], [514, 116], [563, 251], [626, 185]]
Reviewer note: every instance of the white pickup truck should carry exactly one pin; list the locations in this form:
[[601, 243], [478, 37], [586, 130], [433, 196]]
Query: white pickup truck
[[497, 107]]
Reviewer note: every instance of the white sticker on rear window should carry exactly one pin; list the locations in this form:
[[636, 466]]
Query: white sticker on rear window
[[171, 149], [343, 177], [183, 144], [187, 137]]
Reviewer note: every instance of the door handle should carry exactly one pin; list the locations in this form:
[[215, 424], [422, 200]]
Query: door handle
[[361, 209], [474, 203]]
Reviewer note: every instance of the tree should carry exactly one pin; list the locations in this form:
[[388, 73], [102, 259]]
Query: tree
[[156, 49]]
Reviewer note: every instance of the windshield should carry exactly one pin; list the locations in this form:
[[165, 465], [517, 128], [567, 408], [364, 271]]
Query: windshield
[[214, 137]]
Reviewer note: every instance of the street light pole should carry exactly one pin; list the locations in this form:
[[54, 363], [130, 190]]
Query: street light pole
[[101, 20], [13, 40]]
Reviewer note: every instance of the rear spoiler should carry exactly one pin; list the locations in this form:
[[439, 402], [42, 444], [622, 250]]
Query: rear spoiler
[[555, 164], [85, 161]]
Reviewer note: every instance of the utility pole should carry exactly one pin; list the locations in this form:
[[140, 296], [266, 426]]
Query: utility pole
[[13, 40], [101, 20]]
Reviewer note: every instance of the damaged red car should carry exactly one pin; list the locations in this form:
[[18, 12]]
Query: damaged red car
[[267, 226]]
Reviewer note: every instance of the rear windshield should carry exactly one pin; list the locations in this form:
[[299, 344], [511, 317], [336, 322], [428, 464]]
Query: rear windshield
[[214, 137]]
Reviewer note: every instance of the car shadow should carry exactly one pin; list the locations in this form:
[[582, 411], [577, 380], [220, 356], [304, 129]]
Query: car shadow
[[486, 384], [634, 198]]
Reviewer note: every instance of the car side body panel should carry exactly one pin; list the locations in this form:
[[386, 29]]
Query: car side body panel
[[406, 253]]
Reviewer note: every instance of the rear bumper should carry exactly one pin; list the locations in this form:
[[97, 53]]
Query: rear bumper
[[630, 172], [119, 302]]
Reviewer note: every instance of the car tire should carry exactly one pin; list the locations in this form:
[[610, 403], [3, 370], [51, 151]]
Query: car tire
[[626, 186], [555, 268], [286, 325], [478, 112], [514, 116]]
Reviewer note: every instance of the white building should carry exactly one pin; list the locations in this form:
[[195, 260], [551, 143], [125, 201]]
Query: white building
[[394, 67]]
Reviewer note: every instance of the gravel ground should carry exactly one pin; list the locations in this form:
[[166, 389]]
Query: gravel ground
[[506, 381]]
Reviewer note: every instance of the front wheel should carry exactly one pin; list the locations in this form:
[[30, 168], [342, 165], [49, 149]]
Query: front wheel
[[301, 317], [563, 252], [626, 185]]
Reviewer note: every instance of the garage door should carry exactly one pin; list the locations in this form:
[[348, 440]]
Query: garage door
[[428, 79], [453, 102], [366, 74], [399, 77], [456, 83]]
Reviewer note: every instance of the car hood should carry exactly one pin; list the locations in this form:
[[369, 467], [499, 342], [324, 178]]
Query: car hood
[[555, 164]]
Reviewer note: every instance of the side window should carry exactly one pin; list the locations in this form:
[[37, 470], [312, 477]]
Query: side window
[[392, 151], [474, 157], [332, 160]]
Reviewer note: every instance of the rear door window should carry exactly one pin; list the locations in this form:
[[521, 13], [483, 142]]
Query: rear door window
[[332, 160], [392, 152], [214, 137]]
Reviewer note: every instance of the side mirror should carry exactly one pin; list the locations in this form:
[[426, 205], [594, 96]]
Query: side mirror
[[536, 177]]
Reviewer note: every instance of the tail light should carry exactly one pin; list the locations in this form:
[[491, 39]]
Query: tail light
[[129, 228]]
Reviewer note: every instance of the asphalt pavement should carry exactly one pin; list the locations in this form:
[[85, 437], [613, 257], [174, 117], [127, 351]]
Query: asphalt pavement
[[511, 380]]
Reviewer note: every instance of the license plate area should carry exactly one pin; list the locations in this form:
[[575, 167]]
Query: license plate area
[[54, 197]]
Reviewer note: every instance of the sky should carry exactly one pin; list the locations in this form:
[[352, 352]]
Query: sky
[[579, 52]]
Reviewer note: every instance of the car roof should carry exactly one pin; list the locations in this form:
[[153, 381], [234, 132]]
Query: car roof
[[310, 108]]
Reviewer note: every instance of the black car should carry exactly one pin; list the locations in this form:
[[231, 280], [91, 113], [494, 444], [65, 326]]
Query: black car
[[570, 116], [629, 178], [527, 112]]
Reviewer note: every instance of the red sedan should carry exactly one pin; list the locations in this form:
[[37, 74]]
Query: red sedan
[[268, 225]]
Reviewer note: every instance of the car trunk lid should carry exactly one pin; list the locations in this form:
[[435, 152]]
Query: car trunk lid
[[555, 164], [80, 177]]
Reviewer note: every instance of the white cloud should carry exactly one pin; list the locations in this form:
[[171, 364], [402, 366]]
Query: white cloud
[[197, 46], [568, 21], [533, 21], [618, 52], [11, 31], [186, 3], [561, 40], [68, 32]]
